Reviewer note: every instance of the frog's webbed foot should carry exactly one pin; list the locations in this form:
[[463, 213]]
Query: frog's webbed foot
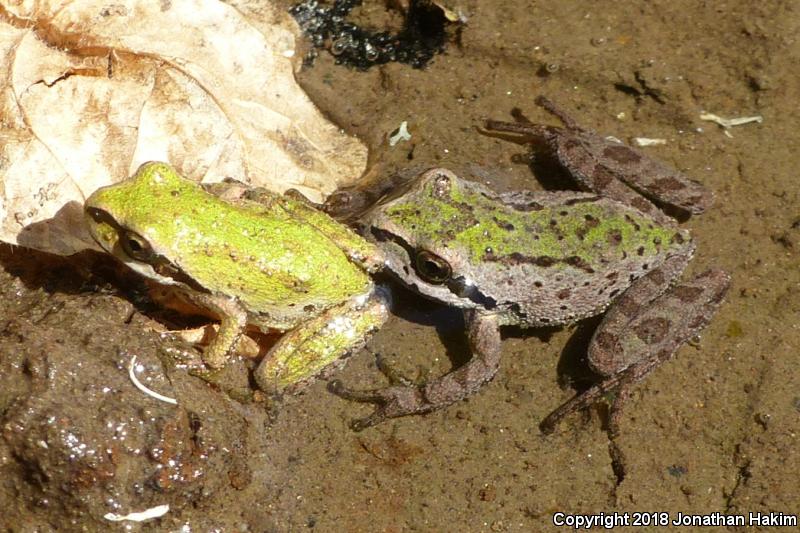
[[390, 402], [592, 395], [406, 398]]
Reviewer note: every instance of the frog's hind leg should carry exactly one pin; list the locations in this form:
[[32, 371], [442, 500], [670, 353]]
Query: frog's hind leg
[[311, 347], [602, 165], [407, 399], [641, 332]]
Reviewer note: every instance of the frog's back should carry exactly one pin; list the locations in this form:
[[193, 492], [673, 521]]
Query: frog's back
[[279, 267], [575, 255], [535, 258]]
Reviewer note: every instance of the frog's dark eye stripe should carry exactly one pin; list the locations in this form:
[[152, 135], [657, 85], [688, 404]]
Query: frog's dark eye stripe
[[136, 246], [432, 268], [455, 284]]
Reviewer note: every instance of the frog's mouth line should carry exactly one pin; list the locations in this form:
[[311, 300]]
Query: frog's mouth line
[[458, 285]]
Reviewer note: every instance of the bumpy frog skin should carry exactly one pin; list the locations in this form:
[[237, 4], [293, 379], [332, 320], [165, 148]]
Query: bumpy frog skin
[[272, 264], [542, 259]]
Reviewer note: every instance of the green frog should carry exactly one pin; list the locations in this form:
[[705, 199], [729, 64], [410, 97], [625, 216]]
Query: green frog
[[535, 259], [274, 264]]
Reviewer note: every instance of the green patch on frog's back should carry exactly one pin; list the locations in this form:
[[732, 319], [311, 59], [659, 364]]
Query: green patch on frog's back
[[583, 235]]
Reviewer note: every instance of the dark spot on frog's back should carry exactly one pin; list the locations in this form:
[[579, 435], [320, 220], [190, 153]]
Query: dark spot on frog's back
[[621, 154], [579, 262], [632, 222], [542, 260], [652, 330], [591, 222], [563, 294], [503, 224], [614, 237], [517, 258]]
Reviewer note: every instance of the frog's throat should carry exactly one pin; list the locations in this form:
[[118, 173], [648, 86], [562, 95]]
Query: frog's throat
[[149, 272]]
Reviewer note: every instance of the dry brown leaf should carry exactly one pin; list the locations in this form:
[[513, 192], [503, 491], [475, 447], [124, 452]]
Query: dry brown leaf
[[92, 89]]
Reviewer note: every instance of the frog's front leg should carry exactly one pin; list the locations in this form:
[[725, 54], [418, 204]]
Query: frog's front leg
[[305, 351], [233, 319], [644, 328], [407, 399]]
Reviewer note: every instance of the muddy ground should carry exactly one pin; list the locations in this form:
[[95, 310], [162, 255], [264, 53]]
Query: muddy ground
[[714, 430]]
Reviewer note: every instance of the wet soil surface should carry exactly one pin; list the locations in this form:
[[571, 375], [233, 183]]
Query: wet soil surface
[[714, 430]]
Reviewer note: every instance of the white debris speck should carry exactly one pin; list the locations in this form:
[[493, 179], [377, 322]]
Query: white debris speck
[[288, 53], [141, 516], [646, 141], [613, 139], [728, 123], [401, 134], [132, 369]]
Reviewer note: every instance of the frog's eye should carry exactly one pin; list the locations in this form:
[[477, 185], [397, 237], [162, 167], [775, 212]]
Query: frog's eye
[[432, 268], [136, 246]]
